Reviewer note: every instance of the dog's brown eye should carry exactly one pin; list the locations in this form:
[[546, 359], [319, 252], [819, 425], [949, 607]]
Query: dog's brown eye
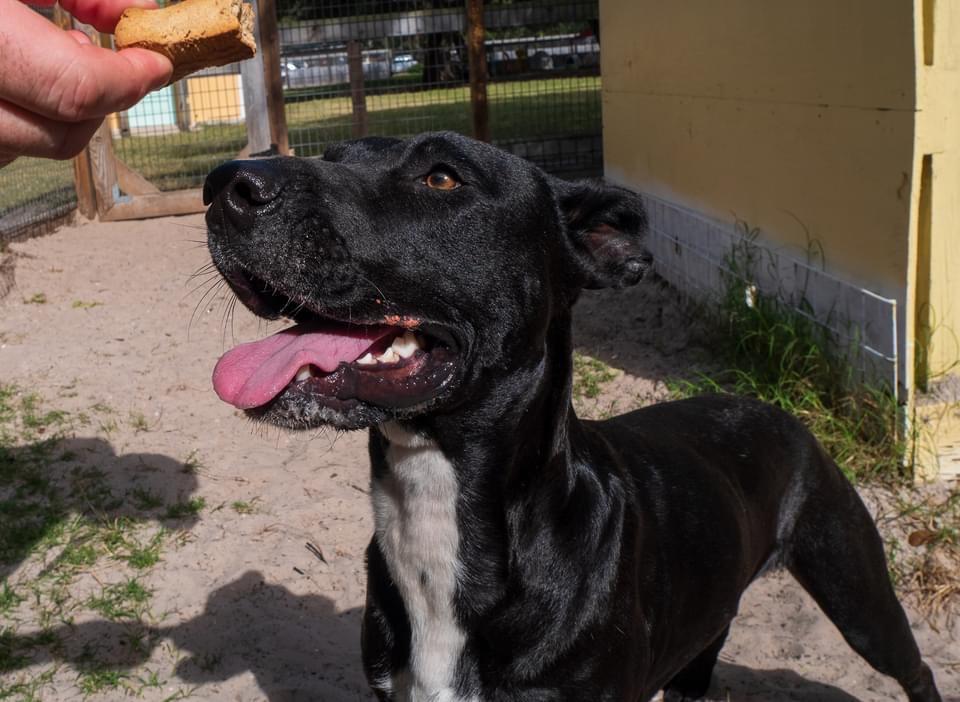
[[441, 180]]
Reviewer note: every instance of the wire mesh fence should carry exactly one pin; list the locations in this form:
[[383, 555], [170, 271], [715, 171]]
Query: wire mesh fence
[[176, 135], [34, 195], [399, 68]]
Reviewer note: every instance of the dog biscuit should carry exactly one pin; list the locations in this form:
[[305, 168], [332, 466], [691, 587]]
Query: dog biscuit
[[193, 34]]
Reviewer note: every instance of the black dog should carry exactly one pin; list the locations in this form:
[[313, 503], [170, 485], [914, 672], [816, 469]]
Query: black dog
[[521, 553]]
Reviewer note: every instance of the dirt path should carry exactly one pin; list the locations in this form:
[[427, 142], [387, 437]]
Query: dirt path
[[99, 326]]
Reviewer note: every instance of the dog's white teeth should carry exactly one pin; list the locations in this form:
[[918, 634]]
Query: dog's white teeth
[[367, 360], [303, 373], [405, 346], [388, 356]]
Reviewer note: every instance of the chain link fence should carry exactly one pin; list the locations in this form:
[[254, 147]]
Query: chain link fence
[[400, 68]]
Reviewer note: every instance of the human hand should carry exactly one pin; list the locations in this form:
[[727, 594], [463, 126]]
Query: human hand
[[56, 86]]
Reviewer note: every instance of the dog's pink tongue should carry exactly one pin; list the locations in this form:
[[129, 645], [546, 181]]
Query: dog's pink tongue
[[253, 374]]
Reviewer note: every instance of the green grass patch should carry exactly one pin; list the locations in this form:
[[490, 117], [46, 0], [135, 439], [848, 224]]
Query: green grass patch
[[768, 349], [98, 680], [9, 598], [187, 508], [121, 602], [589, 376], [145, 500], [242, 507], [64, 520]]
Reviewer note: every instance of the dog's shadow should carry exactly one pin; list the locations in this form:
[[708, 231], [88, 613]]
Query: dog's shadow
[[299, 647], [743, 684]]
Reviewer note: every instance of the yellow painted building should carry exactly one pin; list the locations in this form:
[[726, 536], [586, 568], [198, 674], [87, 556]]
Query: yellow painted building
[[822, 123], [203, 99]]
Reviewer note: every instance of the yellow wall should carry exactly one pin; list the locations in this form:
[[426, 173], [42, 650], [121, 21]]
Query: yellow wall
[[215, 99], [770, 112], [936, 286]]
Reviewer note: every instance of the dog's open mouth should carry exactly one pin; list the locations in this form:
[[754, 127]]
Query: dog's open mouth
[[393, 363]]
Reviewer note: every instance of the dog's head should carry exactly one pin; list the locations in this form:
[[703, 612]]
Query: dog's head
[[412, 269]]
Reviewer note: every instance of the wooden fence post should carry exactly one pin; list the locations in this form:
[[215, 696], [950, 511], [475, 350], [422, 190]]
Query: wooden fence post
[[104, 169], [358, 94], [270, 47], [478, 70]]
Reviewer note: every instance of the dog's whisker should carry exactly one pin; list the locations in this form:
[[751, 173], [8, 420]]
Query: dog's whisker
[[211, 292]]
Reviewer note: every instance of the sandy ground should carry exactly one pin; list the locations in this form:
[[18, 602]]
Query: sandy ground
[[241, 609]]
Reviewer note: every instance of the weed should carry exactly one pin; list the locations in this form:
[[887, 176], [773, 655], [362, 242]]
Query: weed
[[144, 499], [83, 305], [142, 556], [242, 507], [150, 680], [36, 299], [9, 599], [772, 350], [589, 375], [191, 463], [97, 680], [139, 422], [122, 601], [189, 508]]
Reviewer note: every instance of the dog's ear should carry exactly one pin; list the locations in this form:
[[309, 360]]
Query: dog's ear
[[606, 225]]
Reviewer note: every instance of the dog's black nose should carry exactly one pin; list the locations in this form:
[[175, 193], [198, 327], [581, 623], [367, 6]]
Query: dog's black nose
[[242, 188]]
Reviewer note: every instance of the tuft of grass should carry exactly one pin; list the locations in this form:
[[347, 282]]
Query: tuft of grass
[[188, 508], [36, 299], [145, 500], [96, 680], [770, 349], [146, 555], [191, 463], [9, 598], [589, 376], [84, 305], [122, 601], [139, 422], [244, 507]]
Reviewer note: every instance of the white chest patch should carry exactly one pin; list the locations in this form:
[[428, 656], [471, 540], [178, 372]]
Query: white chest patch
[[415, 515]]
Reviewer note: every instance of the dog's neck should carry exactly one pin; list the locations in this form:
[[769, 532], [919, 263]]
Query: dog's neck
[[512, 464]]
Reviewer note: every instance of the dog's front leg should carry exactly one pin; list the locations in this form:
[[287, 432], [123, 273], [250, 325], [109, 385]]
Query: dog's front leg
[[385, 634]]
